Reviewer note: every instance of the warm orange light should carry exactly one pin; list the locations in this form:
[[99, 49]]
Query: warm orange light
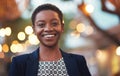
[[5, 48], [15, 42], [102, 56]]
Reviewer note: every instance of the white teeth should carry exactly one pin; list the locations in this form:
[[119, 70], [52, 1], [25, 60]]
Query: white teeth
[[48, 35]]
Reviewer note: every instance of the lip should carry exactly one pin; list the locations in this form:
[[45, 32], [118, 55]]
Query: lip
[[49, 36]]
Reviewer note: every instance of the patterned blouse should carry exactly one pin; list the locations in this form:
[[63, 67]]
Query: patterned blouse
[[52, 68]]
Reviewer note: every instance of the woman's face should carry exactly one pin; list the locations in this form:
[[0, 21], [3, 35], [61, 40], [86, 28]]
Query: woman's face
[[48, 28]]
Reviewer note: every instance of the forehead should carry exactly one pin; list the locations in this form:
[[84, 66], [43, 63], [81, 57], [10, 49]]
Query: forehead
[[46, 13]]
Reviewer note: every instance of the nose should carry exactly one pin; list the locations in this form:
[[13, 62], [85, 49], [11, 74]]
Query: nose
[[48, 28]]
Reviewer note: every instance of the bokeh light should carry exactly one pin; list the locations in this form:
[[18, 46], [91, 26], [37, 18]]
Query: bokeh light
[[89, 30], [118, 51], [0, 48], [8, 31], [15, 48], [101, 56], [73, 24], [89, 8], [5, 48], [15, 42], [21, 36], [80, 27], [28, 30], [2, 32], [33, 39], [20, 47]]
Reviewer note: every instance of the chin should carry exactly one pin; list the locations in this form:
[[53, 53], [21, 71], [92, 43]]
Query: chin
[[50, 45]]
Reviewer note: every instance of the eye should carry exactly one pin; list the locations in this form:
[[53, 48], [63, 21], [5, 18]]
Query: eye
[[41, 25], [55, 23]]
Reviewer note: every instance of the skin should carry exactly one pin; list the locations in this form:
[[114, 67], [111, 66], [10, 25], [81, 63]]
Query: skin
[[48, 29]]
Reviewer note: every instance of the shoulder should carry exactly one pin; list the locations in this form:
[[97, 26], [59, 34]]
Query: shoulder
[[80, 62], [25, 57], [74, 55], [20, 58], [77, 57], [18, 65]]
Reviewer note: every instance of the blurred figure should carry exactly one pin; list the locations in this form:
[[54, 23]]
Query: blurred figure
[[48, 59]]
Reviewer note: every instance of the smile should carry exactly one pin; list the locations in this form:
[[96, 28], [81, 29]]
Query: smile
[[49, 35]]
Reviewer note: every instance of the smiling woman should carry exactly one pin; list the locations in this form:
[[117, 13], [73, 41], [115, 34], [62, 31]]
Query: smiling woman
[[48, 59]]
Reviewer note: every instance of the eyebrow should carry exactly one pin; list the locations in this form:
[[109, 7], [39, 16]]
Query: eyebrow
[[55, 19], [44, 21], [39, 21]]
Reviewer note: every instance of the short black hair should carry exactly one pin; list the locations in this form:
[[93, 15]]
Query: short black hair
[[46, 7]]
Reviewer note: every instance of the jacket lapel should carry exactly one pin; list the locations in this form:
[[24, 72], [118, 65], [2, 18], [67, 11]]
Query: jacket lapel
[[32, 64], [71, 64]]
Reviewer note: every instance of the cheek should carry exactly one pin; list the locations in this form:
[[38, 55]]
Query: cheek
[[37, 31], [61, 29]]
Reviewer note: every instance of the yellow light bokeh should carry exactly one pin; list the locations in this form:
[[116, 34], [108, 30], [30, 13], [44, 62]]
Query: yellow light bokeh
[[73, 24], [115, 64], [16, 47], [28, 30], [118, 51], [33, 39], [21, 36], [102, 56], [5, 48], [80, 27], [75, 34], [0, 48], [8, 31], [15, 42], [13, 48], [20, 48], [89, 8]]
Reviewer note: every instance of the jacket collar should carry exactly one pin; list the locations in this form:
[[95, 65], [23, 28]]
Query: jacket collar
[[71, 64], [33, 62]]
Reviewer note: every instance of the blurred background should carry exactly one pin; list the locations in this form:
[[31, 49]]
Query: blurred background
[[92, 29]]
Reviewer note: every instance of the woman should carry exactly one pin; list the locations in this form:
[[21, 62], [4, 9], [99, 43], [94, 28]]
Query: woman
[[48, 59]]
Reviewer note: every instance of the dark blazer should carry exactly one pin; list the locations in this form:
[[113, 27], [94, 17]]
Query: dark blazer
[[27, 65]]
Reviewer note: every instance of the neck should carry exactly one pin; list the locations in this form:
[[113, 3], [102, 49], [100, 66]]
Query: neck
[[49, 53]]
